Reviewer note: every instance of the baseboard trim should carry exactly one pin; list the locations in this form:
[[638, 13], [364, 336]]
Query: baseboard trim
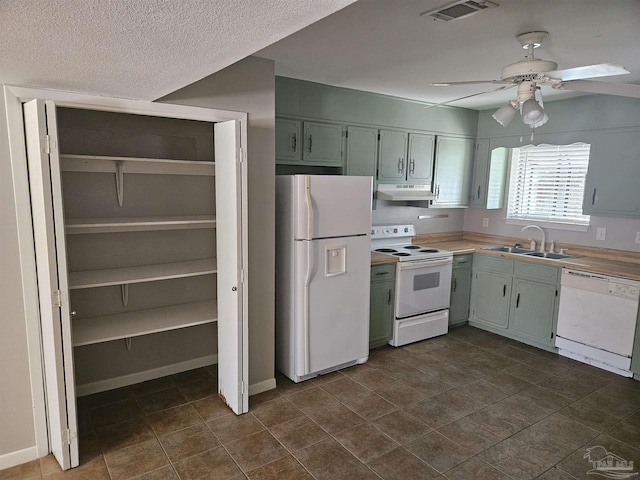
[[138, 377], [19, 457], [263, 386]]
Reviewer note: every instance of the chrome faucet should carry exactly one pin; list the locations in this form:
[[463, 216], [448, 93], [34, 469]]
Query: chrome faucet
[[544, 237]]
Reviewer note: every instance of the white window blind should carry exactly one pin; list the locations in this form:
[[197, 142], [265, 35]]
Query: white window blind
[[547, 183]]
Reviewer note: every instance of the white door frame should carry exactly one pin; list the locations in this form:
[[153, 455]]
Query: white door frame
[[14, 97]]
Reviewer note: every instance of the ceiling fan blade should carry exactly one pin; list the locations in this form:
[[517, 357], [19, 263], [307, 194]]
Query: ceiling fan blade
[[471, 82], [606, 88], [469, 96], [588, 71]]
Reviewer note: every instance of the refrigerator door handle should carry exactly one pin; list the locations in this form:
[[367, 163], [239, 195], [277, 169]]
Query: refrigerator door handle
[[307, 198], [305, 319]]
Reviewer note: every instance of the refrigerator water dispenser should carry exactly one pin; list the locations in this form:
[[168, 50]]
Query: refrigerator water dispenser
[[336, 260]]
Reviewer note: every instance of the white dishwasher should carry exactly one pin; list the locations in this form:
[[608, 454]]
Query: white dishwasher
[[597, 319]]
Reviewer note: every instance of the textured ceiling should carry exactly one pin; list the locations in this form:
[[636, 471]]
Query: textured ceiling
[[140, 49], [386, 47]]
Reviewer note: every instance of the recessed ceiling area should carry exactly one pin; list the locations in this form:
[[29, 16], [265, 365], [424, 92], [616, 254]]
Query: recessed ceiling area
[[387, 47], [142, 49]]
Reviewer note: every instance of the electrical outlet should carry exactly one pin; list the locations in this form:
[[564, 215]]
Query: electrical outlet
[[485, 222], [601, 233], [637, 237]]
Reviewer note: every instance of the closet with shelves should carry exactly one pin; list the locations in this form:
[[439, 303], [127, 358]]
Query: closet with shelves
[[121, 213], [140, 239]]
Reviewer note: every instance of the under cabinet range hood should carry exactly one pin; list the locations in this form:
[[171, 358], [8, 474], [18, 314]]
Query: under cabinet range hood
[[404, 192]]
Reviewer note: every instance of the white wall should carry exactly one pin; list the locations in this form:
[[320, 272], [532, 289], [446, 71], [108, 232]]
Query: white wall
[[16, 417], [249, 86]]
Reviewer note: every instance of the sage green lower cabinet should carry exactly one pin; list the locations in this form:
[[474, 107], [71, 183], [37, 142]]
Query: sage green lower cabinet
[[515, 298], [491, 292], [381, 304], [635, 356], [533, 308], [460, 289]]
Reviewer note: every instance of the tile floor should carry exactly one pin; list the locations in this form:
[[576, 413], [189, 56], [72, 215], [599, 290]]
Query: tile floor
[[468, 405]]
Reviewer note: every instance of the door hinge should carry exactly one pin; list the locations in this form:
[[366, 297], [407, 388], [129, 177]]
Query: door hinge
[[57, 298], [47, 144], [241, 276], [68, 436], [240, 155], [242, 388]]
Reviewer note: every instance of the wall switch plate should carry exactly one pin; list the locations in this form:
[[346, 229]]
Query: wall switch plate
[[601, 233], [637, 237], [485, 222]]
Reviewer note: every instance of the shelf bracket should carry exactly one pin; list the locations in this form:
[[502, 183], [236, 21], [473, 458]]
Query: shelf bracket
[[120, 181], [127, 342], [124, 289]]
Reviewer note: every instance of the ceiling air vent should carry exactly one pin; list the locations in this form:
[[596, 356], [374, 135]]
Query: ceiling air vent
[[460, 9]]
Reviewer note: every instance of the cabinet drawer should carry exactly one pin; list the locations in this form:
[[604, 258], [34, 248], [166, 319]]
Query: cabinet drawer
[[537, 271], [462, 261], [383, 273], [493, 264]]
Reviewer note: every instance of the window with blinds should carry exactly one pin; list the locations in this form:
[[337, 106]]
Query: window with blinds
[[547, 183]]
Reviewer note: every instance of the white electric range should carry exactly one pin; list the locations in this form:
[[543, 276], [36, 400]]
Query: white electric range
[[423, 284]]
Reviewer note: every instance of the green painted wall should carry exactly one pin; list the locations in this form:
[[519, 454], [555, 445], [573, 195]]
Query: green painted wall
[[300, 98]]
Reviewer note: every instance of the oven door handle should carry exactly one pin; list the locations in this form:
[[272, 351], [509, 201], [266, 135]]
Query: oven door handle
[[412, 265]]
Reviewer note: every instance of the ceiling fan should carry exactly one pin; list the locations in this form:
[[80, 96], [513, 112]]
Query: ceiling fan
[[530, 73]]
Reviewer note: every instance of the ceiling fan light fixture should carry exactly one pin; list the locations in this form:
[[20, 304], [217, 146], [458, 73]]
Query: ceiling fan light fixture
[[505, 114], [532, 112]]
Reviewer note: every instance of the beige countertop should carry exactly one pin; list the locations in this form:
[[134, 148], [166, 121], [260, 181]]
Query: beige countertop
[[606, 262]]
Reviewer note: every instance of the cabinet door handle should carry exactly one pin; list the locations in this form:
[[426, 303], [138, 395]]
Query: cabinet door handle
[[413, 166], [310, 141], [504, 290], [389, 297], [455, 284], [382, 273], [400, 164], [594, 197], [294, 142], [518, 301], [478, 192], [437, 192]]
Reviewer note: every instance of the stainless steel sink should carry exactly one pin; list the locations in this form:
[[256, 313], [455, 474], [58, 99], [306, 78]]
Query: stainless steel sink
[[528, 252], [549, 255], [507, 249]]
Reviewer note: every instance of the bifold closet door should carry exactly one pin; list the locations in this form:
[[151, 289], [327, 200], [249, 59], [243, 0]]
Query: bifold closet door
[[53, 289], [231, 240]]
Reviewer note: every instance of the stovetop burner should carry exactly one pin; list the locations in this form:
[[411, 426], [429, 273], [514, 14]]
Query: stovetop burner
[[396, 240]]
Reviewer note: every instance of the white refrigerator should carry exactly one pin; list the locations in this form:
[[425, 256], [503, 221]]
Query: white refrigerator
[[323, 258]]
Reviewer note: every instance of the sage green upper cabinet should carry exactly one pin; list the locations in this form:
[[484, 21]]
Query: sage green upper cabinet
[[362, 150], [308, 143], [614, 170], [452, 178], [322, 144], [420, 166], [489, 176], [288, 139], [405, 157], [392, 163]]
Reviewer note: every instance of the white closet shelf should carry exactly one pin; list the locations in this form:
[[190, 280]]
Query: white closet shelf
[[138, 224], [155, 166], [141, 273], [88, 331]]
